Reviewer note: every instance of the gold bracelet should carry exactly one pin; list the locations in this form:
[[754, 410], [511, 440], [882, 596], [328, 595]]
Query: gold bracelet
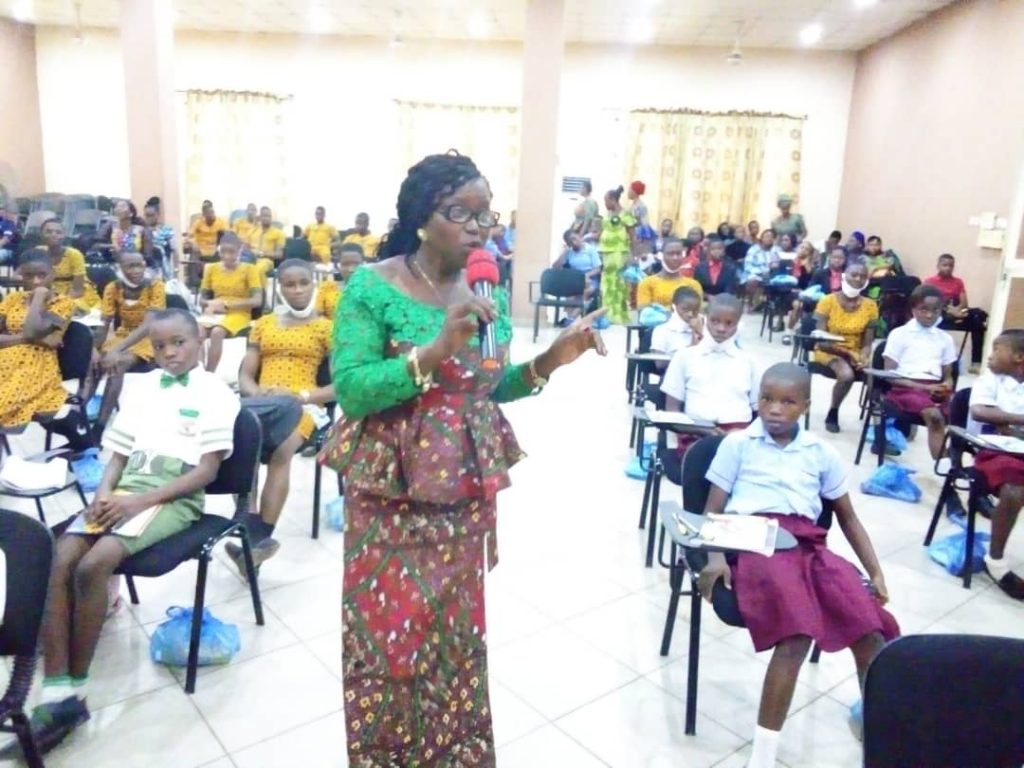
[[421, 381], [539, 382]]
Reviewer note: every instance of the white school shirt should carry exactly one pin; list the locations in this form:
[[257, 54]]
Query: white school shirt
[[998, 390], [919, 352], [182, 422], [715, 382], [672, 335], [761, 476]]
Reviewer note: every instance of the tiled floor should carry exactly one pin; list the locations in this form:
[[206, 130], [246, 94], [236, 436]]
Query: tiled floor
[[575, 622]]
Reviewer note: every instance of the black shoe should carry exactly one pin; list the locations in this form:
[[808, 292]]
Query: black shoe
[[832, 425], [1011, 584], [955, 507], [986, 507], [51, 724]]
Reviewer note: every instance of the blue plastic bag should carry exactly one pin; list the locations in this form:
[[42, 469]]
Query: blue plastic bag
[[949, 551], [653, 315], [88, 469], [783, 280], [637, 467], [895, 440], [218, 642], [892, 481], [336, 514], [632, 274], [92, 408]]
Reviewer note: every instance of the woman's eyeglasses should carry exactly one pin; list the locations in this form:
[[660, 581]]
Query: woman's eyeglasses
[[458, 214]]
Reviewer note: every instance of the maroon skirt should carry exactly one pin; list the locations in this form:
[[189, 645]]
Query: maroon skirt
[[999, 468], [808, 590], [684, 441], [914, 401]]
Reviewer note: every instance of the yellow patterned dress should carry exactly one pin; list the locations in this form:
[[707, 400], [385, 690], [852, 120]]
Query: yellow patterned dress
[[328, 294], [850, 325], [131, 313], [31, 380], [290, 356], [232, 285], [70, 266]]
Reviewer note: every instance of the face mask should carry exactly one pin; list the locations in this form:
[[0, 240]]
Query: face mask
[[850, 291], [120, 276], [284, 308]]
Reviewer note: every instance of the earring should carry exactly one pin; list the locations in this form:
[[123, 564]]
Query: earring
[[421, 233]]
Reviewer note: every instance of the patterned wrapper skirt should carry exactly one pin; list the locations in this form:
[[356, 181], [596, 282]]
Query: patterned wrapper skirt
[[999, 468], [414, 652], [808, 590], [614, 291]]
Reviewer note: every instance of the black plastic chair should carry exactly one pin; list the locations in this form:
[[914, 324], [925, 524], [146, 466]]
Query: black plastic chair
[[174, 301], [197, 542], [74, 358], [683, 572], [777, 299], [802, 355], [945, 701], [28, 547], [100, 277], [558, 288], [323, 378]]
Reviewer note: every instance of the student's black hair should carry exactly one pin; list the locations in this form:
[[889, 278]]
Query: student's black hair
[[153, 202], [874, 239], [672, 241], [836, 235], [175, 313], [207, 203], [294, 264], [1013, 338], [684, 292], [925, 291], [789, 373], [229, 238], [120, 256], [587, 186], [352, 248], [727, 301], [949, 256], [38, 255], [616, 193], [431, 179], [566, 235], [698, 228], [714, 239], [753, 221], [50, 220], [363, 213], [766, 229]]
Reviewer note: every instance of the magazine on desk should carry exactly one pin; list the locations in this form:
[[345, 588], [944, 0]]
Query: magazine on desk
[[747, 533], [1007, 443]]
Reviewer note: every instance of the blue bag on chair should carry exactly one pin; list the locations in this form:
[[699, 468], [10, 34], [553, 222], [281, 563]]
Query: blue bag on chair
[[653, 315], [895, 441], [892, 481], [88, 469], [637, 467], [632, 274], [949, 551], [218, 642]]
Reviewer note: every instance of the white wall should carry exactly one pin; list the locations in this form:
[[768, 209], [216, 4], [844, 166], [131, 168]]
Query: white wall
[[343, 138]]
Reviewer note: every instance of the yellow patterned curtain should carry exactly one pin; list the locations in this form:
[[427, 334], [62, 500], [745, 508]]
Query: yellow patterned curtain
[[704, 168], [489, 135], [235, 150]]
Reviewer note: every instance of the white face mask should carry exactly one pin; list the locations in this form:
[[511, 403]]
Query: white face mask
[[850, 291], [120, 276], [284, 308]]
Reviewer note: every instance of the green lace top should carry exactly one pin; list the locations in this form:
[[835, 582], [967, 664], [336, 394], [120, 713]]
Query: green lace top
[[439, 446]]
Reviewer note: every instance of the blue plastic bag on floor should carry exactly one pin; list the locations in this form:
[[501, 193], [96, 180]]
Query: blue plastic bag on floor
[[892, 481], [949, 551], [637, 467], [218, 642], [895, 440], [336, 514], [88, 469]]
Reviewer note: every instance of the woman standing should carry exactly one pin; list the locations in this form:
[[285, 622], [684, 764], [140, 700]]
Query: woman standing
[[424, 448], [616, 248], [587, 210], [644, 231]]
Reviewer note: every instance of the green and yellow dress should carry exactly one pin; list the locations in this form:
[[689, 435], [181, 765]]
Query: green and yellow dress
[[615, 249]]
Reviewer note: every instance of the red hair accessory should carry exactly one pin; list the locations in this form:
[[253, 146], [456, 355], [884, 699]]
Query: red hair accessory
[[638, 187]]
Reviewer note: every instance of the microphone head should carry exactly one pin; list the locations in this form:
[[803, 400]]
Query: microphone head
[[481, 267]]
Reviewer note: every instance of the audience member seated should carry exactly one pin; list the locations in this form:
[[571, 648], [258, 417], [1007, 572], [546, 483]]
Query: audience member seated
[[834, 240], [824, 281], [923, 356], [8, 236], [803, 595], [684, 328], [737, 245], [785, 253], [230, 291], [245, 225], [787, 222], [32, 324], [266, 242], [583, 257], [855, 249], [880, 264], [665, 231], [694, 251], [362, 236], [126, 307], [659, 288], [172, 431], [997, 402], [850, 314], [754, 231], [716, 274], [805, 262], [715, 380], [205, 233], [161, 235], [958, 314], [285, 350], [756, 266], [320, 236], [347, 258], [129, 233], [69, 278]]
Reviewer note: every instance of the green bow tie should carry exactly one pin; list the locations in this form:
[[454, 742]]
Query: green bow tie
[[167, 380]]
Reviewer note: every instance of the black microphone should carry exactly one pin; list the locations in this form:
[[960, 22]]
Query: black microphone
[[482, 276]]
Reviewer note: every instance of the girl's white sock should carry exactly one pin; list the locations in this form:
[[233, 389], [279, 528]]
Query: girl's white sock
[[56, 689], [997, 568], [766, 745]]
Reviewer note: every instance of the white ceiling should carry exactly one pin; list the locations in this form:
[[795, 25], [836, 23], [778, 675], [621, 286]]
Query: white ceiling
[[766, 23]]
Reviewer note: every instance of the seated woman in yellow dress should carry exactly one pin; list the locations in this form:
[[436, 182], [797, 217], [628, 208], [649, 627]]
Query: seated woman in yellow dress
[[69, 278], [32, 324], [346, 258], [285, 351], [661, 286], [230, 291], [127, 301], [851, 315]]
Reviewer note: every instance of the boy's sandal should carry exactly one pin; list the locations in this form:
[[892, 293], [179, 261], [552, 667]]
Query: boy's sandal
[[1011, 584]]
